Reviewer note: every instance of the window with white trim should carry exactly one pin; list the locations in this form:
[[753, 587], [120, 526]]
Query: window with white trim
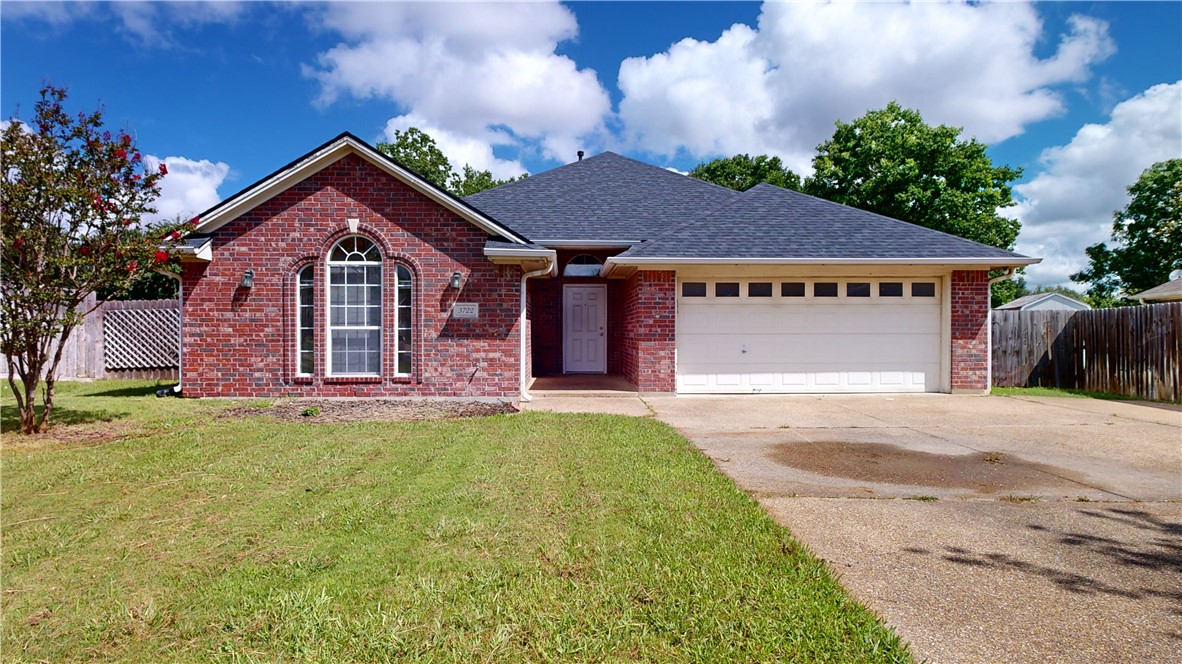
[[354, 308], [305, 309]]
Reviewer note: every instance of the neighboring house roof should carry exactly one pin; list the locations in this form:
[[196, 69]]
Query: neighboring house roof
[[767, 223], [330, 153], [1046, 301], [1171, 291], [602, 199]]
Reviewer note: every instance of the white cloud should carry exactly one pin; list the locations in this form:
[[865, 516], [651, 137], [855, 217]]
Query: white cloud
[[779, 88], [482, 73], [1069, 205], [189, 188]]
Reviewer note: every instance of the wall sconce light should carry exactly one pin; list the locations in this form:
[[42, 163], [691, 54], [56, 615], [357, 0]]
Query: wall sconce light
[[247, 279], [457, 280]]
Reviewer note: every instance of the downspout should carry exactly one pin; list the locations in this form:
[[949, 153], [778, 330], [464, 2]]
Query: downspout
[[989, 330], [550, 262], [175, 390]]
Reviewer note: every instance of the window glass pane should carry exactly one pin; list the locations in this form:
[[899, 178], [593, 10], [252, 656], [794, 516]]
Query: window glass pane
[[759, 289], [403, 296], [890, 289], [726, 289], [375, 316], [306, 340], [693, 289], [307, 277], [373, 295], [305, 316], [336, 275], [338, 254], [825, 289], [354, 274], [373, 275], [857, 289], [923, 289], [792, 289], [404, 362], [306, 361], [403, 275]]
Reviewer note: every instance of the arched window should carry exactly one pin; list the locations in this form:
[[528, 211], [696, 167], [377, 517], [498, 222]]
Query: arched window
[[354, 308], [583, 265], [305, 307]]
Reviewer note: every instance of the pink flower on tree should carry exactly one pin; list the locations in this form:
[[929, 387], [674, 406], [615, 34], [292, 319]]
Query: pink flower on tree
[[194, 221], [161, 256], [163, 168], [121, 153]]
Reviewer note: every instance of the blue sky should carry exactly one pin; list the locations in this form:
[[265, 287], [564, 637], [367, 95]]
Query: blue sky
[[1082, 96]]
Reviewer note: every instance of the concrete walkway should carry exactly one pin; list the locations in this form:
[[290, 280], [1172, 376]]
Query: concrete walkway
[[983, 529]]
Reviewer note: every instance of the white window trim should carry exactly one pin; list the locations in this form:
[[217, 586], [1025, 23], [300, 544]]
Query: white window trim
[[329, 327], [299, 327]]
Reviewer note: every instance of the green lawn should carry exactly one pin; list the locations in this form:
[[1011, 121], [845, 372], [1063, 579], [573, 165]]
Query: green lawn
[[516, 537]]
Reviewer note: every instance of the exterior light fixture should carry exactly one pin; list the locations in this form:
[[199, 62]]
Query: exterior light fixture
[[456, 281], [247, 279]]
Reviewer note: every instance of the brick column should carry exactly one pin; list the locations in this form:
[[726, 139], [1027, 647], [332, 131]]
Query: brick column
[[970, 331], [648, 334]]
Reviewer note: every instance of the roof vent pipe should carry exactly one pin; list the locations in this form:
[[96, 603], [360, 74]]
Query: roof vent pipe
[[580, 153]]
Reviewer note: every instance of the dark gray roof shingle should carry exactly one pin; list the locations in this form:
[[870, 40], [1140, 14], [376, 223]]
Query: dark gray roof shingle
[[769, 222], [602, 198]]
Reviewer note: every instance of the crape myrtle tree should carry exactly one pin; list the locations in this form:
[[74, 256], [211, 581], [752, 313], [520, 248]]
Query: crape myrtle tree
[[1147, 235], [72, 199], [418, 151]]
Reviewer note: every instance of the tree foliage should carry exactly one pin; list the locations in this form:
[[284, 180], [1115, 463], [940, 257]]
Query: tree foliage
[[72, 197], [418, 151], [891, 162], [742, 172], [1147, 234]]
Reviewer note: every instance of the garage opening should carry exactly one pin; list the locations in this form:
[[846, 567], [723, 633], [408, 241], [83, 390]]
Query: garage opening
[[808, 335]]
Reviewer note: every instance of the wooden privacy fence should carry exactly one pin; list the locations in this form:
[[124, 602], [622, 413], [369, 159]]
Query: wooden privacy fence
[[129, 339], [1132, 351]]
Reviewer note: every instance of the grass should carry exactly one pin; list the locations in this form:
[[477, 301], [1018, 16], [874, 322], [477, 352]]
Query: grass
[[1058, 392], [531, 537]]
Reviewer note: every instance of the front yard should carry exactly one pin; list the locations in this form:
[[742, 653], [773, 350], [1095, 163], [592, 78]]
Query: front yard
[[199, 534]]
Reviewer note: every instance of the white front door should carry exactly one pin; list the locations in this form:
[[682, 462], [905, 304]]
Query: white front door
[[584, 328]]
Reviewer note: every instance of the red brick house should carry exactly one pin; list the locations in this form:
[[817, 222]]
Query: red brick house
[[346, 274]]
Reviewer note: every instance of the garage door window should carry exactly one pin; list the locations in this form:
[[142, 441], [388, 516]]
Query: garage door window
[[693, 289], [857, 289], [890, 289], [759, 289], [792, 289], [923, 289], [726, 289], [825, 289]]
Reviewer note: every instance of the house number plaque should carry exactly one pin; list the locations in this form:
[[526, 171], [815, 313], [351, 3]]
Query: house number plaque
[[465, 310]]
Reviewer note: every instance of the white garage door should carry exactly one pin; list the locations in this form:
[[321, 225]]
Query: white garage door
[[808, 336]]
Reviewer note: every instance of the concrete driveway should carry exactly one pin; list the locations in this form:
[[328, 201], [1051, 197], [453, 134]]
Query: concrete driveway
[[983, 529]]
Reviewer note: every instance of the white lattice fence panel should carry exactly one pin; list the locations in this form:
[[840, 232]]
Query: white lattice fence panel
[[141, 334]]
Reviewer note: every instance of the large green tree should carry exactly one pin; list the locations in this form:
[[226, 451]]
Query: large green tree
[[742, 172], [1147, 234], [72, 196], [891, 162], [418, 151]]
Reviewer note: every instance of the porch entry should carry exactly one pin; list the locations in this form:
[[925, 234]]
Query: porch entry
[[584, 328]]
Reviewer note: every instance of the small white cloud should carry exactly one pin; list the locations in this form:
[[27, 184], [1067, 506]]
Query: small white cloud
[[1070, 204], [189, 188], [778, 88], [143, 23]]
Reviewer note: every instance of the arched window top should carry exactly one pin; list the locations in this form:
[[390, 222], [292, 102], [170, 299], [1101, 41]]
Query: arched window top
[[355, 249], [583, 265]]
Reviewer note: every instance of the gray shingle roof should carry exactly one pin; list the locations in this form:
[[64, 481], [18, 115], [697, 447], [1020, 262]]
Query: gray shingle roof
[[602, 198], [1171, 290], [769, 222]]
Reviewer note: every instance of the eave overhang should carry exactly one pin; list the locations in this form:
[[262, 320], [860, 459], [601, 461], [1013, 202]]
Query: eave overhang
[[621, 265]]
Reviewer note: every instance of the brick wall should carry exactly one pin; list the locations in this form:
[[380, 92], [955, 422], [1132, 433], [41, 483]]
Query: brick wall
[[970, 330], [241, 342], [648, 336]]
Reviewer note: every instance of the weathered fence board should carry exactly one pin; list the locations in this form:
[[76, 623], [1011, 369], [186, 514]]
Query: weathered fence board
[[124, 339], [1132, 351]]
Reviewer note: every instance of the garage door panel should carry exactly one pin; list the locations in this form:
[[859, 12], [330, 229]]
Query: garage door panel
[[765, 349], [808, 318], [782, 345]]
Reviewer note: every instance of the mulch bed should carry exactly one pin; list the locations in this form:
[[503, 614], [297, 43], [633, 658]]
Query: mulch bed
[[380, 410]]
